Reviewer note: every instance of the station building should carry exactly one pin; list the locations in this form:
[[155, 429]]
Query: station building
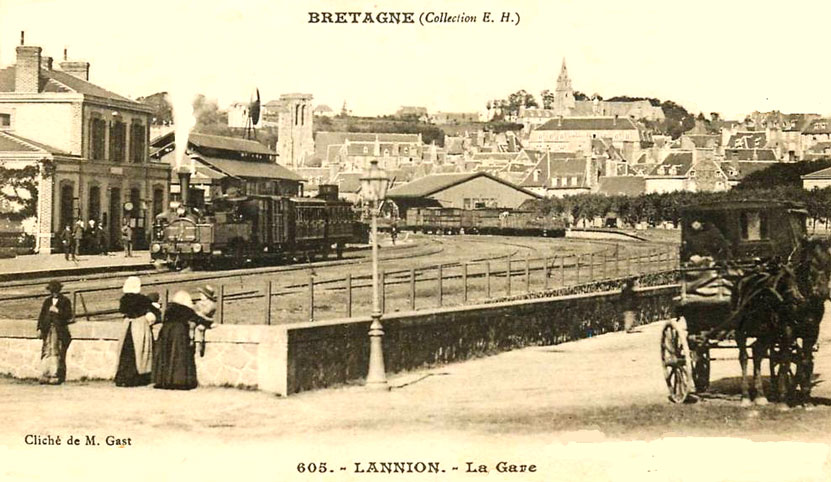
[[469, 190], [87, 147]]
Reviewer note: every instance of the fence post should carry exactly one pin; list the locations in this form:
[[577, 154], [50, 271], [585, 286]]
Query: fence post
[[577, 268], [412, 289], [75, 304], [508, 277], [348, 282], [545, 273], [311, 297], [464, 282], [220, 304], [166, 298], [617, 261], [382, 285], [527, 274], [487, 279], [439, 276], [563, 271], [603, 265], [268, 302], [591, 267]]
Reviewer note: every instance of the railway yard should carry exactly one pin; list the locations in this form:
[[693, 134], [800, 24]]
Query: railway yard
[[473, 268]]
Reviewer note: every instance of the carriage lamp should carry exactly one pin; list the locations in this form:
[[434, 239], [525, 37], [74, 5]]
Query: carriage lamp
[[373, 189]]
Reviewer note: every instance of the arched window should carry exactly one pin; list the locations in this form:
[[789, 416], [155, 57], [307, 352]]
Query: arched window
[[297, 114], [303, 115], [67, 204], [94, 205]]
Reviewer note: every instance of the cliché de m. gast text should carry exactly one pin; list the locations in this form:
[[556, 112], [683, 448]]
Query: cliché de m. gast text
[[422, 18]]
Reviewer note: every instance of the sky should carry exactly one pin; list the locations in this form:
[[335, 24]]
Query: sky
[[731, 57]]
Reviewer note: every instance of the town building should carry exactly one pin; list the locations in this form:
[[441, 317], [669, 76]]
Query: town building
[[295, 142], [222, 165], [817, 180], [575, 134], [454, 118], [817, 130], [559, 174], [353, 151], [90, 147], [461, 190]]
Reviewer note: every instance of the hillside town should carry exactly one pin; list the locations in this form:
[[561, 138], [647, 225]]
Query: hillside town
[[107, 158]]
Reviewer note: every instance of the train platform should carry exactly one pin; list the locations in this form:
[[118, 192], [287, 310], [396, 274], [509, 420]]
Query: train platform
[[35, 266]]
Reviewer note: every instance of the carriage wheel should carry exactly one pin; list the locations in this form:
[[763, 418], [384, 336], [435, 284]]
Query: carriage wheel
[[701, 369], [675, 355]]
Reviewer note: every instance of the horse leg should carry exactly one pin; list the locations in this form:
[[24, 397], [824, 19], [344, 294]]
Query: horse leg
[[741, 341], [805, 370], [785, 341], [760, 349]]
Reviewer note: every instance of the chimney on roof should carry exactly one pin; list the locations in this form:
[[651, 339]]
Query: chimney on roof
[[46, 63], [560, 121], [614, 122], [75, 69], [27, 68]]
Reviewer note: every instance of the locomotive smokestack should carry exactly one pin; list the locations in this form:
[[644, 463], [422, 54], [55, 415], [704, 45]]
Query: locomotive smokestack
[[184, 183]]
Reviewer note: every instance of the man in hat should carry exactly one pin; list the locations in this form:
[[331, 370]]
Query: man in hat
[[66, 242], [78, 238], [127, 237], [55, 316]]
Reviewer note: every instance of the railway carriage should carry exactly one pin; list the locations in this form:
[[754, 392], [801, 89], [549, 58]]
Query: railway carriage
[[253, 227], [510, 222]]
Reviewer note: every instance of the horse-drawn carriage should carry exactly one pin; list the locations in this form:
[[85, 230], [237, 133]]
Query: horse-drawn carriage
[[749, 273]]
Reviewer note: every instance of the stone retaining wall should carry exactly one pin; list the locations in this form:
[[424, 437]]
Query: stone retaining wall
[[286, 359]]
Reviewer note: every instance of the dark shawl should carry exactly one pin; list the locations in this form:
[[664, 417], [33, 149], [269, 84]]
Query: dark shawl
[[133, 305], [59, 319]]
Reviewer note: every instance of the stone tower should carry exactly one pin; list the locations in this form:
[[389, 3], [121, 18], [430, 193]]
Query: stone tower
[[295, 143], [563, 94]]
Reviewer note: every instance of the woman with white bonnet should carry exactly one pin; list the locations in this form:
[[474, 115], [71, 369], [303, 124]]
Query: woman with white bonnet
[[174, 366], [135, 345]]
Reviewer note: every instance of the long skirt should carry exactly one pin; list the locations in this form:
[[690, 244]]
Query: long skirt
[[174, 366], [53, 356], [135, 353]]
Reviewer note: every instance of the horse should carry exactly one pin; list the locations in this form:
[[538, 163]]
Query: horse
[[777, 304]]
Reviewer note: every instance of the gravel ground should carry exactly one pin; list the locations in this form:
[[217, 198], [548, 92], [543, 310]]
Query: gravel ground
[[594, 409]]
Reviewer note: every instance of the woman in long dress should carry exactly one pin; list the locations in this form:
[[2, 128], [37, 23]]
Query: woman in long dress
[[135, 346], [174, 366]]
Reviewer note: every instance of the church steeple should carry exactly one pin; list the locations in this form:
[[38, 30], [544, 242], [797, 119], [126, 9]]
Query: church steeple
[[563, 94]]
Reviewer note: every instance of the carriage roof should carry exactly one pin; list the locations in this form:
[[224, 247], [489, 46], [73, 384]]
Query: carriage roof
[[742, 230]]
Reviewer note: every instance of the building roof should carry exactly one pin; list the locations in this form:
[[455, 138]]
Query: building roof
[[228, 143], [818, 126], [821, 174], [348, 182], [57, 81], [589, 124], [434, 183], [622, 185], [750, 155], [555, 166], [747, 140], [738, 170], [13, 143], [675, 164], [264, 170]]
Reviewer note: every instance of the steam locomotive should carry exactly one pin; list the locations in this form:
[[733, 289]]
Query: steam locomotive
[[254, 227]]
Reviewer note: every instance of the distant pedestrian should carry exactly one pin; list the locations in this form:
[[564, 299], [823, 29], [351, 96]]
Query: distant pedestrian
[[101, 239], [174, 365], [629, 304], [55, 316], [78, 238], [127, 238], [394, 233], [205, 309], [66, 241], [92, 239]]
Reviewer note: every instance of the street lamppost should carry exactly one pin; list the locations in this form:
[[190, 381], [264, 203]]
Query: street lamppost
[[373, 189]]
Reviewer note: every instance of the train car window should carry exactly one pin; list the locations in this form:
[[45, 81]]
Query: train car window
[[754, 225]]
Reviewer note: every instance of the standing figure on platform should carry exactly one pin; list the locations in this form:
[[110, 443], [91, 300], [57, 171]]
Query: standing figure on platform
[[127, 238], [101, 239], [78, 239], [92, 239], [66, 242], [55, 316], [174, 365], [135, 345]]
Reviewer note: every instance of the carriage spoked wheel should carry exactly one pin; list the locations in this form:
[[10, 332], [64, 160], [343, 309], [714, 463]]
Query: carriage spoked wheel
[[677, 361], [701, 368]]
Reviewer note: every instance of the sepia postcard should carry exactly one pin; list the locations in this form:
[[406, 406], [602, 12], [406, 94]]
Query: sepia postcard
[[414, 240]]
